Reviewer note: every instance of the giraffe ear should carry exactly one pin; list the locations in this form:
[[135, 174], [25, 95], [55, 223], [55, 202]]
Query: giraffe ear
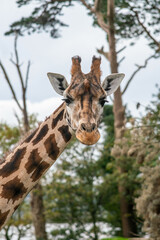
[[58, 81], [112, 82]]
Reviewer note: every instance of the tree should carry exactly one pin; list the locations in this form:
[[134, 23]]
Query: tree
[[75, 195], [25, 126], [110, 178], [129, 178], [23, 83], [19, 223], [145, 149]]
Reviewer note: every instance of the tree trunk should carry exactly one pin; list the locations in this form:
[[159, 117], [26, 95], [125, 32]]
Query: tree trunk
[[38, 212], [25, 121], [128, 224]]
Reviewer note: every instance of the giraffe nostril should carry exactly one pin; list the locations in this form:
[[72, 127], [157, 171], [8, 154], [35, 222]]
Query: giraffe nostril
[[93, 126], [88, 127]]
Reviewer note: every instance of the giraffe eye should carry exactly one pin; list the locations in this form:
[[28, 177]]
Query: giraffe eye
[[68, 100], [102, 101]]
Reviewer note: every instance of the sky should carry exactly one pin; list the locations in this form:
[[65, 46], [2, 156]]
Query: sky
[[54, 55]]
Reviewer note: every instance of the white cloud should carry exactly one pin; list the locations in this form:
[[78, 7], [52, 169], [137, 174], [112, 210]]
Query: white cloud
[[42, 108]]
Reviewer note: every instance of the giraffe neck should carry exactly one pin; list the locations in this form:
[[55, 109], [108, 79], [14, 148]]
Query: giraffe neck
[[24, 167]]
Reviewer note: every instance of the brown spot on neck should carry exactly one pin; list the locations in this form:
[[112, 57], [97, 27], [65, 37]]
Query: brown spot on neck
[[33, 161], [64, 130], [36, 165], [39, 171], [29, 138], [13, 165], [13, 190], [42, 133], [51, 147], [57, 119]]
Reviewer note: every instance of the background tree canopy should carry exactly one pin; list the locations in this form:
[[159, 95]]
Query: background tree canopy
[[44, 17], [132, 19]]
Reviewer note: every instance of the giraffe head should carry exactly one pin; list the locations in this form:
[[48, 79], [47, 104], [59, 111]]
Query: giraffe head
[[85, 97]]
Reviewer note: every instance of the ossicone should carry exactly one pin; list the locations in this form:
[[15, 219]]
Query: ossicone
[[95, 67], [76, 65]]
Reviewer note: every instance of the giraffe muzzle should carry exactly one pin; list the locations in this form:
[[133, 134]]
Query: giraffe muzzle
[[88, 134]]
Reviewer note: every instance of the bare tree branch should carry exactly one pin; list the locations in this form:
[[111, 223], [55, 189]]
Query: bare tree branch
[[121, 60], [15, 49], [101, 22], [110, 97], [98, 14], [96, 5], [19, 122], [10, 86], [23, 84], [27, 75], [102, 52], [136, 71], [17, 63], [88, 6], [146, 30], [120, 50], [106, 54]]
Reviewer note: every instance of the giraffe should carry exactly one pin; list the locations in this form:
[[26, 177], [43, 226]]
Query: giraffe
[[79, 114]]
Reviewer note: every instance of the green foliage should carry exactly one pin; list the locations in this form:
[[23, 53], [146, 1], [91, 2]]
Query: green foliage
[[140, 147], [108, 120], [75, 196], [128, 179], [149, 201], [117, 238], [9, 136], [110, 178], [44, 17], [33, 123], [21, 221]]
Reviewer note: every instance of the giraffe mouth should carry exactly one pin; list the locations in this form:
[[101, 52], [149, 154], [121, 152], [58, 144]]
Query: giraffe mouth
[[88, 138]]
